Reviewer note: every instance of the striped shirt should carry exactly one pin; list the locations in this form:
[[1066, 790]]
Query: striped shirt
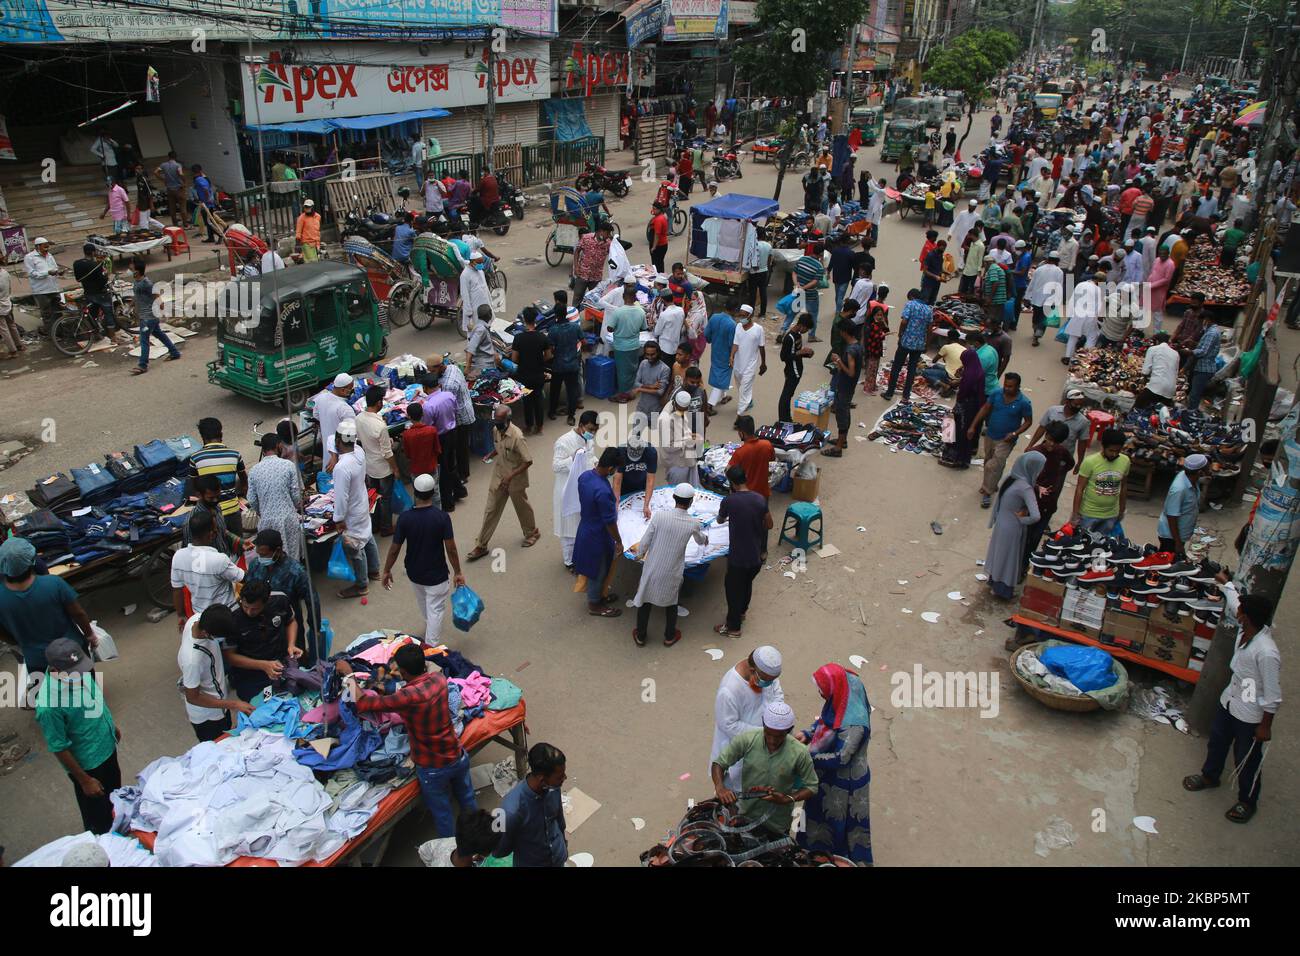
[[208, 574], [809, 268], [1207, 351], [226, 464], [453, 381]]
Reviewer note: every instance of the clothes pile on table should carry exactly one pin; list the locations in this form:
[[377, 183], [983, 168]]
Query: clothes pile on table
[[492, 388], [912, 426], [1222, 285], [632, 522], [122, 851], [713, 835], [952, 312], [1166, 437], [716, 459], [91, 532], [393, 411], [401, 371]]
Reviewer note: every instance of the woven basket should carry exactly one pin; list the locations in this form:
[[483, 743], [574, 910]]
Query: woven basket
[[1078, 705]]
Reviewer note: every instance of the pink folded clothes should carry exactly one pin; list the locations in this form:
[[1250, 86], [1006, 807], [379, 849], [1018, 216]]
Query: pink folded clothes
[[322, 714], [382, 652], [474, 689]]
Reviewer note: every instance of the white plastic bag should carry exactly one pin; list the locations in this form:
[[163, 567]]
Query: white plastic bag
[[106, 649]]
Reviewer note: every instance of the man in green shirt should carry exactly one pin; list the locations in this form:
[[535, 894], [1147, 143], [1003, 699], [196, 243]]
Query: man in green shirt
[[995, 288], [79, 730], [626, 323], [989, 360], [1101, 496], [1231, 240], [773, 762]]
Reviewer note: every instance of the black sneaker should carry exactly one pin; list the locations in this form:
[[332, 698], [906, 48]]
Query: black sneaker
[[1125, 553], [1046, 559], [1069, 570], [1149, 585], [1207, 617], [1180, 569], [1180, 592], [1073, 543], [1205, 572]]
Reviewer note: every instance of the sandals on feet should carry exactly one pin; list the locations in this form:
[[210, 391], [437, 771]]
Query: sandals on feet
[[532, 539], [1241, 812], [476, 554], [725, 631], [638, 637], [670, 641], [605, 611], [1198, 781]]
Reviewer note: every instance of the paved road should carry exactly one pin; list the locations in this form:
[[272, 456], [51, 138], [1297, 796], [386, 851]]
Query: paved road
[[951, 787]]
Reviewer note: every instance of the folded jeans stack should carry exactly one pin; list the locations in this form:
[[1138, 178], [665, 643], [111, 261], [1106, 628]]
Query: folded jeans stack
[[57, 493]]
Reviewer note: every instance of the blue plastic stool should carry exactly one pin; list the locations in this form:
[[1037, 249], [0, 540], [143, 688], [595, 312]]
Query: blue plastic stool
[[800, 518]]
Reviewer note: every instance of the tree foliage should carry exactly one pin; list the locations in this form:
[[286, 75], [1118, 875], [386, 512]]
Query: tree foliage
[[783, 62], [969, 63]]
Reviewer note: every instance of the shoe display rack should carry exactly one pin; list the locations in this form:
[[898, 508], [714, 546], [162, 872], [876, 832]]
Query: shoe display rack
[[1134, 602]]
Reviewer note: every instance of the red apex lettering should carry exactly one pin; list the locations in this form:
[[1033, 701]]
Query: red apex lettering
[[609, 69], [516, 71], [306, 83]]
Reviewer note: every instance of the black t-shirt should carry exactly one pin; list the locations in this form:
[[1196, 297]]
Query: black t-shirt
[[423, 531], [92, 275], [791, 346], [263, 638], [842, 265], [634, 472], [531, 347], [866, 259], [743, 513], [845, 384]]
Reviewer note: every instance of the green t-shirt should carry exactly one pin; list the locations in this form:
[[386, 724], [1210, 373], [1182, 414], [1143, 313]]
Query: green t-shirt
[[1105, 480], [988, 357], [627, 322], [73, 715], [788, 770], [1233, 238]]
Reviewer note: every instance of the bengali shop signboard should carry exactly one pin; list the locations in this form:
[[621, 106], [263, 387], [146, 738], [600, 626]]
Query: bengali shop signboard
[[83, 21], [339, 80], [694, 20]]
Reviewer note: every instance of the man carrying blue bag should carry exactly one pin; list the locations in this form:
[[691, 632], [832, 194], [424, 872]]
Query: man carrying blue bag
[[432, 547]]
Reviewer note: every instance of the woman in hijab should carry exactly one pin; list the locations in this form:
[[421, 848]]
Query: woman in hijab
[[838, 818], [970, 399], [1014, 512]]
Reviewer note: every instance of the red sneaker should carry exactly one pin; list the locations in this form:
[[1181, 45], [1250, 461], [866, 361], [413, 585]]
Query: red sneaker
[[1096, 577], [1155, 562]]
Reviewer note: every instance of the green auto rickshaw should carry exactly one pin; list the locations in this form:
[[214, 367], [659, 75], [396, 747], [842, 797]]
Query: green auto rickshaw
[[869, 119], [900, 133], [295, 328]]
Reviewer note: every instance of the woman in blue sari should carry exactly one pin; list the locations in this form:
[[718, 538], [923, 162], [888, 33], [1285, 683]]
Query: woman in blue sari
[[838, 818]]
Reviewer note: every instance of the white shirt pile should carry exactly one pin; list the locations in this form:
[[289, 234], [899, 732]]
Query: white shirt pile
[[122, 851]]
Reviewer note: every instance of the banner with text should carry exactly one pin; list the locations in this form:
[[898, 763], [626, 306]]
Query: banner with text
[[694, 20]]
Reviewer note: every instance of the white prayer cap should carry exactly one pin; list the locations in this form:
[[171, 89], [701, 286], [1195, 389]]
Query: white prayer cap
[[476, 254], [684, 490], [747, 309], [682, 399], [308, 203], [1195, 462], [973, 202], [777, 715], [86, 854], [342, 380], [424, 483], [41, 241], [767, 659], [346, 431]]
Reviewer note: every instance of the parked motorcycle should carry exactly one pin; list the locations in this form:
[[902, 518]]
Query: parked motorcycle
[[370, 224], [602, 179], [726, 164]]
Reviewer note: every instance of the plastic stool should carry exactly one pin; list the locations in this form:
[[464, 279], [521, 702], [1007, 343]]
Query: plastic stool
[[799, 518], [179, 241], [1099, 421]]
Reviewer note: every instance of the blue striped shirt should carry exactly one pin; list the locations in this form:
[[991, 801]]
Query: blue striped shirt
[[1207, 351]]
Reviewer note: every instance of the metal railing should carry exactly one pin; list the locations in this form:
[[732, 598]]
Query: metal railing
[[537, 163]]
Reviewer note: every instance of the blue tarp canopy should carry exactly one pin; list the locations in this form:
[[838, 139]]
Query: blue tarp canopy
[[352, 122], [737, 206]]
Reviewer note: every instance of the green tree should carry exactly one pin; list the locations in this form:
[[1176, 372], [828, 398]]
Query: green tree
[[969, 63], [791, 59]]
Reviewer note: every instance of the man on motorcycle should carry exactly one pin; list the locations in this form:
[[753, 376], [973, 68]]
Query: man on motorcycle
[[458, 195], [93, 272], [485, 196], [404, 238]]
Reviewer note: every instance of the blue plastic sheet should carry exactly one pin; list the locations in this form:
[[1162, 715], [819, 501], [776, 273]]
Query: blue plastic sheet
[[1087, 668], [569, 119]]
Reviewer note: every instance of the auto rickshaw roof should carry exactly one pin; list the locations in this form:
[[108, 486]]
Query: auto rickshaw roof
[[296, 281]]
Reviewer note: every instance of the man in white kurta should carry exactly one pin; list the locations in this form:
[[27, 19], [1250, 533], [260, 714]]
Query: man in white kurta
[[742, 694], [662, 554], [961, 226], [1085, 307], [473, 293], [748, 357], [563, 463]]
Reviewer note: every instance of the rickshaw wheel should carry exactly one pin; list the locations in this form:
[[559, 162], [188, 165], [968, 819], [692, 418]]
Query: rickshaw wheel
[[554, 256], [421, 315], [903, 210], [383, 348], [401, 299], [799, 159], [158, 576]]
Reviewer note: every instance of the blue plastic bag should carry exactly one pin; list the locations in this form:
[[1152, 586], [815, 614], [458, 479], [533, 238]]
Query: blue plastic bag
[[401, 499], [1087, 668], [785, 304], [324, 482], [466, 608], [340, 568], [1062, 337]]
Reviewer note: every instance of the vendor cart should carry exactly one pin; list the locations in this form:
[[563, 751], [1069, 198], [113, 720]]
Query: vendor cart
[[390, 281], [717, 267], [148, 561], [572, 216]]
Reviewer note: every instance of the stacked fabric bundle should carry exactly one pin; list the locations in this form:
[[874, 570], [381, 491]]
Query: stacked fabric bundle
[[492, 388], [48, 535], [121, 851], [158, 460], [793, 436], [57, 493], [96, 484], [131, 477]]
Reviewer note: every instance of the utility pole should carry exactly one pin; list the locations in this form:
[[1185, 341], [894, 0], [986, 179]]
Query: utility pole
[[1240, 67], [1033, 35], [848, 75], [490, 114], [1186, 43]]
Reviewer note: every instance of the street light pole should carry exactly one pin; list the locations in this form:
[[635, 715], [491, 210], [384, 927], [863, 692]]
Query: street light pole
[[1242, 53], [1186, 43]]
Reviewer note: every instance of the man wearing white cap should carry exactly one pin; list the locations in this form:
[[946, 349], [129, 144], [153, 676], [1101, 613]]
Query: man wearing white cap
[[433, 548], [307, 231], [1071, 414], [748, 357], [352, 511], [1069, 248], [961, 226], [1182, 507], [473, 289], [773, 762], [41, 273], [329, 408], [662, 554], [1046, 287], [742, 694]]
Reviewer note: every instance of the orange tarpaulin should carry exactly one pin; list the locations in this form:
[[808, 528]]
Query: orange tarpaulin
[[477, 732]]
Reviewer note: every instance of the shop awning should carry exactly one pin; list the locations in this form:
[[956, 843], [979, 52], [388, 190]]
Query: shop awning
[[737, 206], [320, 127]]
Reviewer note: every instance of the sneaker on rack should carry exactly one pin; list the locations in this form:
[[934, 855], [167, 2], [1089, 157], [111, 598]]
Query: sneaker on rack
[[1095, 576], [1204, 616], [1155, 562], [1124, 552], [1149, 585], [1127, 602], [1046, 559], [1075, 543], [1180, 592], [1205, 572], [1180, 569]]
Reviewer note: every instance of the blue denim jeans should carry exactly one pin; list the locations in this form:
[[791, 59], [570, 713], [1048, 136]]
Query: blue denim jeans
[[1098, 525], [841, 288], [439, 784], [152, 327], [596, 585]]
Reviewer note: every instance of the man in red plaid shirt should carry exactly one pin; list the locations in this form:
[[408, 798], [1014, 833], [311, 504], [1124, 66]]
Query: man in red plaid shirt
[[440, 763]]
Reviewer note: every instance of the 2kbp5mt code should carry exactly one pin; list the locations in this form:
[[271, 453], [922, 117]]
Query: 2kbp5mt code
[[1205, 897]]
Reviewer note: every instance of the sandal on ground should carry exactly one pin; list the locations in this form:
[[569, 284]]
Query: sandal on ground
[[138, 370], [638, 637], [352, 591], [172, 358], [532, 539], [1198, 781], [605, 611], [670, 641], [1241, 812], [476, 554], [725, 631], [833, 452]]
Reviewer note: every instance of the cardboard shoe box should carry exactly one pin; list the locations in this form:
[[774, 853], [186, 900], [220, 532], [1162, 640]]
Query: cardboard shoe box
[[1171, 646], [1083, 611], [1124, 629], [1041, 600], [1200, 647], [821, 420]]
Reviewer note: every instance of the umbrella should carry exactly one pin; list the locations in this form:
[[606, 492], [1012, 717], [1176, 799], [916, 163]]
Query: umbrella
[[1252, 115]]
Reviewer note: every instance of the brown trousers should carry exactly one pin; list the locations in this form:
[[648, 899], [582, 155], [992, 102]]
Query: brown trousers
[[496, 504]]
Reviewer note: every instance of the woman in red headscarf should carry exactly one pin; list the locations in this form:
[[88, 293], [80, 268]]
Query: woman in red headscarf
[[838, 818]]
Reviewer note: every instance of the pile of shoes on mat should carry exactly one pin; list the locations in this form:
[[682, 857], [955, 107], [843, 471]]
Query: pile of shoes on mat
[[715, 835], [913, 426], [1222, 285], [1113, 370], [1165, 438], [965, 316], [1135, 577]]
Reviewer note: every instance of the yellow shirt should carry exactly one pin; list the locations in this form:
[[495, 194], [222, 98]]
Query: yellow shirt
[[929, 199]]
